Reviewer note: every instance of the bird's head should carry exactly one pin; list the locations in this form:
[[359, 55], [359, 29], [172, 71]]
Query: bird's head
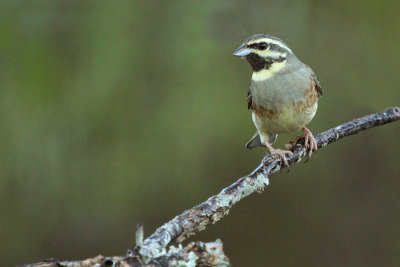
[[262, 51]]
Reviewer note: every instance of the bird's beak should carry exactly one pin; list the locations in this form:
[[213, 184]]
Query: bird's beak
[[242, 51]]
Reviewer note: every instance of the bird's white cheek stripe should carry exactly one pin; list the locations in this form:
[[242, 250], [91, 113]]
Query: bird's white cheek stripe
[[265, 74], [269, 53]]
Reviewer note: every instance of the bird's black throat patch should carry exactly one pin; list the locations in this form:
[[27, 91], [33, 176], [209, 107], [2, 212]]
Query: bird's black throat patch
[[258, 63]]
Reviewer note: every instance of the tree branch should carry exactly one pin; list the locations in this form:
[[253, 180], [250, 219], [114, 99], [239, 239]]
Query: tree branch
[[216, 207], [194, 254], [152, 252]]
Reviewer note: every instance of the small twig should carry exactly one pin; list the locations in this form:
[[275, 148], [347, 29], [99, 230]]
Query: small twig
[[152, 252], [139, 234], [194, 254], [216, 207]]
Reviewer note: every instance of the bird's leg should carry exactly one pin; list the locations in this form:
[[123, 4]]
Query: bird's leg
[[281, 153], [309, 140]]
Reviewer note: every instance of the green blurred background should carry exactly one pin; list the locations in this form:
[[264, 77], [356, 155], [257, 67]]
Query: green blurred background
[[119, 112]]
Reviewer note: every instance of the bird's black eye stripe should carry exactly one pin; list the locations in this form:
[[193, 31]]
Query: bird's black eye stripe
[[262, 45], [259, 46]]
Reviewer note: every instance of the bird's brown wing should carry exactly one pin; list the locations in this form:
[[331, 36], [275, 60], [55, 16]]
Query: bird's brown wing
[[249, 100], [316, 84], [315, 80]]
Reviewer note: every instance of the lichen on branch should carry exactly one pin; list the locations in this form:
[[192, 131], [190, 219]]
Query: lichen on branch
[[152, 251], [216, 207]]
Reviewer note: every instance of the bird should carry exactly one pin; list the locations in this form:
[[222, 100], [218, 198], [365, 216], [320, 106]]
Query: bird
[[283, 93]]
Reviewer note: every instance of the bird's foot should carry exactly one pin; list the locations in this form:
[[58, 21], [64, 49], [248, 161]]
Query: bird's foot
[[309, 141], [281, 154]]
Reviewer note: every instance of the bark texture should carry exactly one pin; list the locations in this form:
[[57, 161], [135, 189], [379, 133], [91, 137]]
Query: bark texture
[[216, 207], [194, 254], [152, 251]]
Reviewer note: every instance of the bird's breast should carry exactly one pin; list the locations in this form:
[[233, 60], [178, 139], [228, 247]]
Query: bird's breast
[[284, 106]]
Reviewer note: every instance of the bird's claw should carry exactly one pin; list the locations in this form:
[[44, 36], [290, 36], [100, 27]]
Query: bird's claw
[[309, 142], [281, 154]]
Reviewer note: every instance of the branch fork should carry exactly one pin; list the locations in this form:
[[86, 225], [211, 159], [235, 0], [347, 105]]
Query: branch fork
[[152, 251]]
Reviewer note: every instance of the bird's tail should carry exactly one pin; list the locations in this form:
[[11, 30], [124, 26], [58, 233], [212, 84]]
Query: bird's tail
[[255, 141]]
